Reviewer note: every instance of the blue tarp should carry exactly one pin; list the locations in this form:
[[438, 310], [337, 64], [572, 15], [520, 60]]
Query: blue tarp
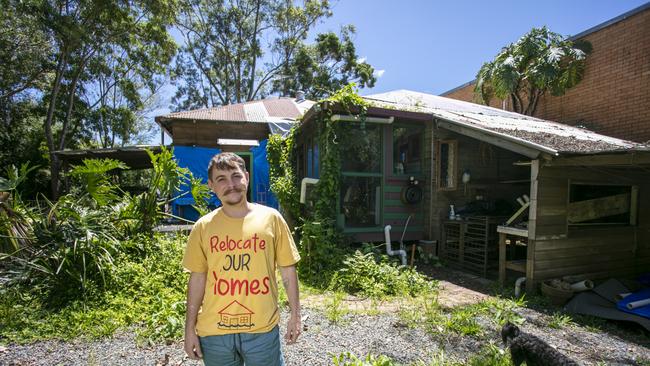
[[261, 181], [643, 311], [196, 159]]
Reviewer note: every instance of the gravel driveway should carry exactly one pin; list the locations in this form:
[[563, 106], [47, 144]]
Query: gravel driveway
[[361, 334]]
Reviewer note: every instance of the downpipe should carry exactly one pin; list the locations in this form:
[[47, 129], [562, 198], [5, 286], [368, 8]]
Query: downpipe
[[389, 251]]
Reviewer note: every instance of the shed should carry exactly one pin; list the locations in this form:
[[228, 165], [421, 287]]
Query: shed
[[583, 198], [241, 128]]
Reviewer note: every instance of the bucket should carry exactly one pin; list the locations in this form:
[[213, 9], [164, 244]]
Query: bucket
[[557, 296]]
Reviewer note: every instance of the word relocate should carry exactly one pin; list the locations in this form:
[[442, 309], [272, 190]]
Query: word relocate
[[228, 245]]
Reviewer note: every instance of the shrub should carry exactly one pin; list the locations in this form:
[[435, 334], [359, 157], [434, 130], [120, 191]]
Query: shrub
[[363, 274]]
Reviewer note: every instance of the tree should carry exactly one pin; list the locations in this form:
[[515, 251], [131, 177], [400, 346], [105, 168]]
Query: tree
[[539, 62], [226, 60], [325, 67], [85, 36]]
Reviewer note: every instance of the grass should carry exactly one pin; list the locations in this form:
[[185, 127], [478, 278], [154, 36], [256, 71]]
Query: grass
[[559, 320]]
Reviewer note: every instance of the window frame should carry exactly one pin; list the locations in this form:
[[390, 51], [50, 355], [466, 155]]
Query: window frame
[[453, 145]]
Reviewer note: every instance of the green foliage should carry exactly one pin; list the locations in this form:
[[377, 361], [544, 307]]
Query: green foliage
[[148, 289], [349, 359], [284, 184], [226, 58], [201, 194], [145, 209], [71, 250], [326, 66], [490, 355], [335, 309], [15, 223], [540, 61], [363, 274], [559, 320], [95, 180], [66, 249]]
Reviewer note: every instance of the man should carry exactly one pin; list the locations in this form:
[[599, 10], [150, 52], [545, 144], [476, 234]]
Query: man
[[232, 254]]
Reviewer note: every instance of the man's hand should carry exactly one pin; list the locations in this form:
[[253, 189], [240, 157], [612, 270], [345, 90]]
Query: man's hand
[[294, 328], [192, 345]]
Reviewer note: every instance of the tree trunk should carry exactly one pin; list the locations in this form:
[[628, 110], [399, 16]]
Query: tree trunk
[[54, 162]]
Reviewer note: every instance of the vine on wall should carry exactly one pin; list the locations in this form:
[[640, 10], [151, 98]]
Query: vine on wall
[[320, 239]]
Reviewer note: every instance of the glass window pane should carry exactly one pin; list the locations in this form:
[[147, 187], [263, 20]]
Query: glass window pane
[[360, 201], [407, 154], [361, 148]]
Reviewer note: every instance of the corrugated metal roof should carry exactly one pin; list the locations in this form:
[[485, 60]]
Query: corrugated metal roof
[[258, 111], [550, 136]]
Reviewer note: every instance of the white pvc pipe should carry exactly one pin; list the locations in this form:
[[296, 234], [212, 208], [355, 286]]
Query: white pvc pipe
[[582, 286], [637, 304], [389, 251], [518, 283]]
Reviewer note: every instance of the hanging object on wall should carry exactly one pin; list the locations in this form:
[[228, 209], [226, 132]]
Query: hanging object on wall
[[412, 193], [465, 179]]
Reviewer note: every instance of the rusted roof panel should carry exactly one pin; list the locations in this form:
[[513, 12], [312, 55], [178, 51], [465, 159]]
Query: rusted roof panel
[[258, 111]]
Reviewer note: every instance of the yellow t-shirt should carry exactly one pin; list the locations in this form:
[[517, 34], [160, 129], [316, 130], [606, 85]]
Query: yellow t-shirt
[[239, 256]]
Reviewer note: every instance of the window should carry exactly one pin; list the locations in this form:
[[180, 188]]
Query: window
[[407, 154], [360, 201], [446, 165], [361, 162], [361, 148], [308, 159], [593, 204]]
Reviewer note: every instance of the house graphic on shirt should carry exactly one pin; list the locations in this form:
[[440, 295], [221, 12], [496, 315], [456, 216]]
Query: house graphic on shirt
[[235, 315]]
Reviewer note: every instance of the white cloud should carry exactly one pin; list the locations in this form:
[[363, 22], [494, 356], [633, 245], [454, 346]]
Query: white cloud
[[378, 73], [361, 60]]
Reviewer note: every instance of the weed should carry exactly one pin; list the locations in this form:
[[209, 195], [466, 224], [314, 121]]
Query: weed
[[364, 274], [559, 320], [335, 309], [349, 359], [490, 355], [501, 310]]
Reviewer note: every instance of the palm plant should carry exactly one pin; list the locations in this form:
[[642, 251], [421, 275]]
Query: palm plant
[[540, 61]]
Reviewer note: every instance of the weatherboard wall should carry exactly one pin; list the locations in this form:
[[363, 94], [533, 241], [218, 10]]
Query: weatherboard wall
[[557, 249]]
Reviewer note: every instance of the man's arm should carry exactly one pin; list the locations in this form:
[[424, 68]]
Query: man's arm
[[195, 292], [290, 281]]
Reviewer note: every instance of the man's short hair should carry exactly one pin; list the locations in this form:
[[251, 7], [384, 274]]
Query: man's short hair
[[226, 161]]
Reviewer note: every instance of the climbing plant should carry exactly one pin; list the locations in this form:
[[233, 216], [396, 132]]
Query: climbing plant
[[321, 240]]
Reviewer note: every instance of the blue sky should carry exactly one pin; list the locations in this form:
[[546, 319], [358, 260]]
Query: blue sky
[[434, 46]]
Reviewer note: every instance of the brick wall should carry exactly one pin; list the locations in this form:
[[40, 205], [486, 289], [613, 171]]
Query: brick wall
[[614, 96]]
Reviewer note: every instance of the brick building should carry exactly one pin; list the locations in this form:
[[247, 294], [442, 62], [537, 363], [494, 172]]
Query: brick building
[[614, 96]]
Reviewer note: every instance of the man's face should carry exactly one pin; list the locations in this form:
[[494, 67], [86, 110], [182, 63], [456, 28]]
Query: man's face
[[230, 186]]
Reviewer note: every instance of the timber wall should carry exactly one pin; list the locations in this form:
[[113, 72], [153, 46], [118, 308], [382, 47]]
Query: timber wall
[[599, 251]]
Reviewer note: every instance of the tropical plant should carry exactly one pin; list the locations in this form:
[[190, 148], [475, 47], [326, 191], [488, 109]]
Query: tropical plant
[[145, 209], [15, 222], [94, 179], [200, 193], [539, 62]]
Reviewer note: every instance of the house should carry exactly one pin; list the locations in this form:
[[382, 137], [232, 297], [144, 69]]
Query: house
[[613, 98], [240, 128], [570, 201], [235, 315]]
